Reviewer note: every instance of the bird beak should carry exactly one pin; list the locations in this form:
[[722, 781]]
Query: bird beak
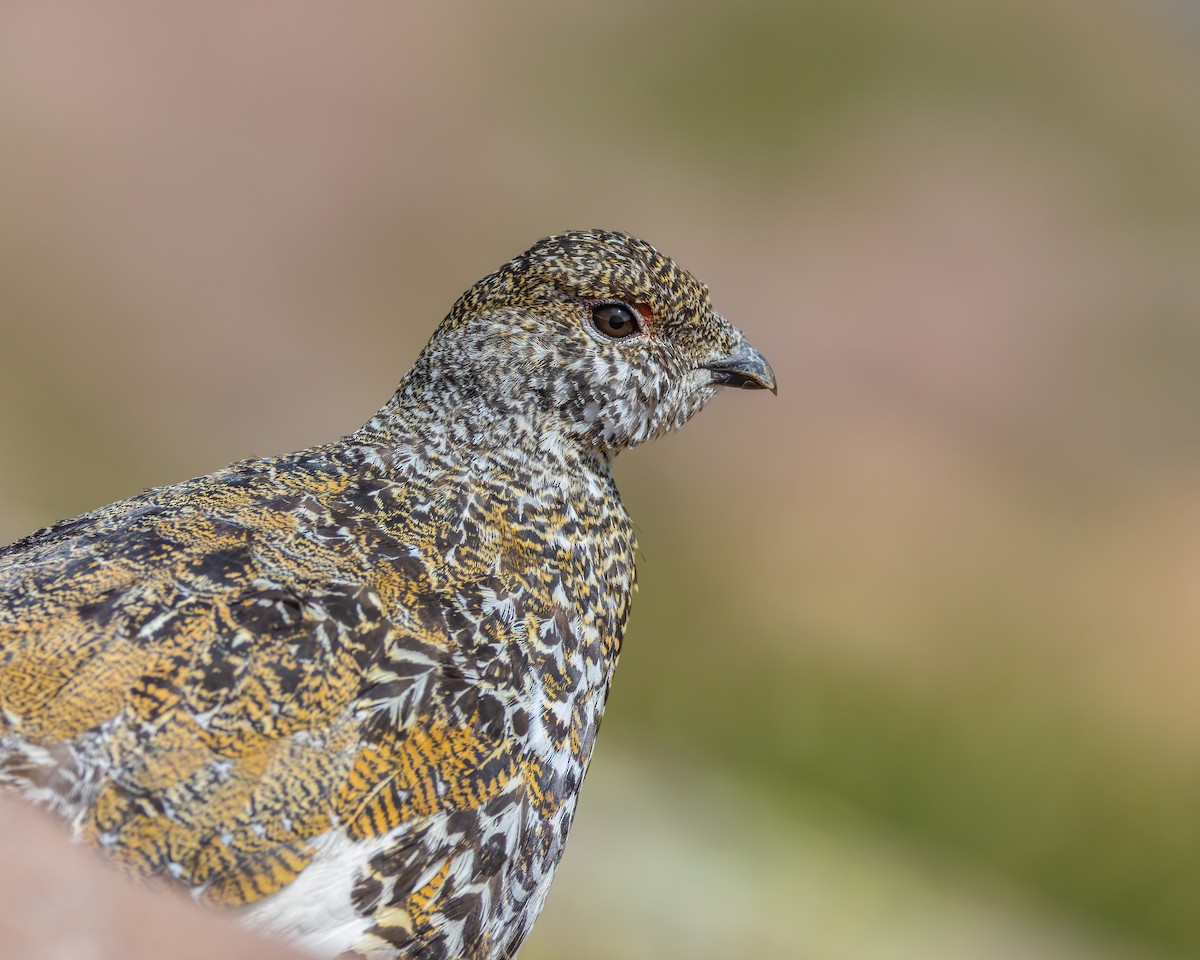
[[746, 368]]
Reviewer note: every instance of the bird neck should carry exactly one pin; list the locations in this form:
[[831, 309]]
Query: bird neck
[[436, 421]]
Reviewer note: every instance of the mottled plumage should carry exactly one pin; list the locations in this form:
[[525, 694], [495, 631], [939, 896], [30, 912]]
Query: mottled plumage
[[351, 693]]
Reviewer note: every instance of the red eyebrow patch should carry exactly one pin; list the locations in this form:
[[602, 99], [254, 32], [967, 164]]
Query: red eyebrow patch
[[644, 310]]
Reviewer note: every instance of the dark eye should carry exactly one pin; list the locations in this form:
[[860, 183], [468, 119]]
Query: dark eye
[[614, 320]]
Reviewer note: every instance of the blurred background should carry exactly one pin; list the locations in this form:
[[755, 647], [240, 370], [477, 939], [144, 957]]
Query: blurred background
[[913, 670]]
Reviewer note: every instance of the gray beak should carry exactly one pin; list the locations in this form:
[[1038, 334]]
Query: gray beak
[[747, 369]]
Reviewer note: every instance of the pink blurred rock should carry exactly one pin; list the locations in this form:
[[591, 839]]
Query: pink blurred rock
[[58, 901]]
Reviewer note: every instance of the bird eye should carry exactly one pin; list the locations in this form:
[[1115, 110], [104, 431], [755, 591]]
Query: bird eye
[[614, 320]]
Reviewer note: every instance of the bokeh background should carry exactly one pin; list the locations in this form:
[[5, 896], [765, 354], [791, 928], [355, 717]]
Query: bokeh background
[[913, 670]]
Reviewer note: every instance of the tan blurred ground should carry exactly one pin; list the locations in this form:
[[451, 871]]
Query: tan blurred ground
[[913, 668]]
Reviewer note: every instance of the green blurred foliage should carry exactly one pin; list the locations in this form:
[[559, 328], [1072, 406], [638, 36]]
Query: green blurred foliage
[[997, 765], [751, 90]]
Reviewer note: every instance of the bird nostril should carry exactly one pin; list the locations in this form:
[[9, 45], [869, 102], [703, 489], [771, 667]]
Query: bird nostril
[[728, 378]]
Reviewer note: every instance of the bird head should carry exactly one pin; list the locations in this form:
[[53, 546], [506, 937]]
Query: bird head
[[592, 336]]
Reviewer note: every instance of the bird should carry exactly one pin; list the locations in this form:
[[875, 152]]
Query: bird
[[349, 694]]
